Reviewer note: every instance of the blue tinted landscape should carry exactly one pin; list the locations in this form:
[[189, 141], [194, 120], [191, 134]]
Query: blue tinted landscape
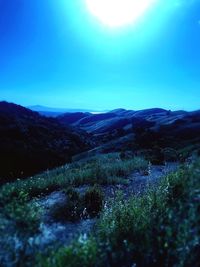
[[99, 133]]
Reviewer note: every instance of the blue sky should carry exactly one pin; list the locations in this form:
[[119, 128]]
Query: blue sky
[[55, 53]]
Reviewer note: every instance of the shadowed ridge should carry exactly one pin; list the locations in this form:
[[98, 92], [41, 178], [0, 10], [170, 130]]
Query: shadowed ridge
[[30, 143]]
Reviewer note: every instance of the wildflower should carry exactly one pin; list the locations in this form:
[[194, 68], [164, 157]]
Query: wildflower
[[149, 167], [83, 239], [85, 213]]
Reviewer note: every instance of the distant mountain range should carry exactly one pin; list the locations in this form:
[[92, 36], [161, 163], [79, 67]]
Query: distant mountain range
[[54, 112], [31, 142]]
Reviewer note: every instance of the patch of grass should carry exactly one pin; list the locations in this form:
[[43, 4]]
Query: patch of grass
[[84, 252], [160, 228], [24, 215], [18, 208], [105, 169]]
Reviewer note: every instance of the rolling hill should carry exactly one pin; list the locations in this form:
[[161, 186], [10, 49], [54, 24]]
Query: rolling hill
[[122, 129]]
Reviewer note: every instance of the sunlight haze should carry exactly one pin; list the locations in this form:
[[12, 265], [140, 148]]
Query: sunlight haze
[[100, 55]]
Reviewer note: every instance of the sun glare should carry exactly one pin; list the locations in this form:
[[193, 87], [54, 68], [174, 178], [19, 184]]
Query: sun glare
[[117, 13]]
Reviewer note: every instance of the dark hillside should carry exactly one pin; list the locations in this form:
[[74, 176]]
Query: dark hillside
[[30, 143]]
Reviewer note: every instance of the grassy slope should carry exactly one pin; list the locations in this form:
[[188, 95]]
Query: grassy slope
[[15, 197], [161, 228], [105, 169]]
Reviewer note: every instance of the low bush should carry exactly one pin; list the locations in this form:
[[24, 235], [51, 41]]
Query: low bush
[[93, 200]]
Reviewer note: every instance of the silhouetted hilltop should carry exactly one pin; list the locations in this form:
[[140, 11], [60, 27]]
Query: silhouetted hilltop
[[30, 143]]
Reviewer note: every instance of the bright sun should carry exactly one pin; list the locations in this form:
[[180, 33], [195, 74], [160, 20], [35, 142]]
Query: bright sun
[[117, 13]]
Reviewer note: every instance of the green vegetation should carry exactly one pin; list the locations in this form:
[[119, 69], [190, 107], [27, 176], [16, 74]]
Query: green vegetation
[[15, 198], [160, 228], [23, 214], [104, 169], [83, 253]]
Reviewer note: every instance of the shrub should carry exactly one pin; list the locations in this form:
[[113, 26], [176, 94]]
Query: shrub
[[93, 200]]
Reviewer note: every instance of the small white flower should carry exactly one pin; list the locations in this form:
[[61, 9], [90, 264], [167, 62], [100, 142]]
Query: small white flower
[[83, 239]]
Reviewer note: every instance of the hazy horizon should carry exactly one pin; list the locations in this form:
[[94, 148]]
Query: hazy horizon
[[75, 109], [59, 54]]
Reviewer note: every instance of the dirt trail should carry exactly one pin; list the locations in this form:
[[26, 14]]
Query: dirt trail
[[138, 182]]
